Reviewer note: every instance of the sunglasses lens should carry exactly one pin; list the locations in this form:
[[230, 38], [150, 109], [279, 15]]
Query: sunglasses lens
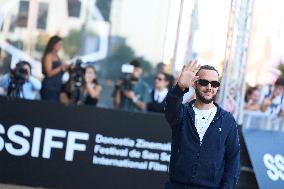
[[203, 82], [158, 78], [215, 84]]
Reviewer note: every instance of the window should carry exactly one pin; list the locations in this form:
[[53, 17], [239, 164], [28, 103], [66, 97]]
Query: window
[[42, 16], [104, 7], [74, 7], [23, 14], [13, 23]]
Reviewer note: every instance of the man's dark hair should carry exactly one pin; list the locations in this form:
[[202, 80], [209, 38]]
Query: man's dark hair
[[208, 67], [135, 63], [22, 63], [280, 81]]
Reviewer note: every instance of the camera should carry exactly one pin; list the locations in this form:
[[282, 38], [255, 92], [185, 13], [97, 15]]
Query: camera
[[128, 81], [18, 77], [19, 74], [76, 72], [79, 73]]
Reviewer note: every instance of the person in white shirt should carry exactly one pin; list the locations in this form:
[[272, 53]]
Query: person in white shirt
[[273, 100], [159, 93], [252, 97], [20, 83], [205, 150]]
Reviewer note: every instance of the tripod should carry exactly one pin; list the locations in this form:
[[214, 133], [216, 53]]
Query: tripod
[[15, 88]]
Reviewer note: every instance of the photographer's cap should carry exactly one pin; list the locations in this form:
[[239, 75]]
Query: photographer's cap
[[135, 63]]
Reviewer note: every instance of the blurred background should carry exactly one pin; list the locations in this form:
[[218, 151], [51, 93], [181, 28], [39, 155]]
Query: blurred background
[[240, 38], [243, 39], [159, 31]]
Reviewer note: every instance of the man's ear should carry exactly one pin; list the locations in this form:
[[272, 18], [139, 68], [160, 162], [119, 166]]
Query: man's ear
[[194, 85], [194, 81]]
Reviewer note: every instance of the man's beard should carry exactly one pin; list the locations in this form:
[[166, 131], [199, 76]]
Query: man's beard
[[203, 99]]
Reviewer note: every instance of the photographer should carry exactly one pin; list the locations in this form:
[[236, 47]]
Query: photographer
[[20, 83], [131, 92], [82, 87]]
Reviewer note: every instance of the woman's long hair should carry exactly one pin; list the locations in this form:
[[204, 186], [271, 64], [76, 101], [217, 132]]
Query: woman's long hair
[[49, 47], [95, 81]]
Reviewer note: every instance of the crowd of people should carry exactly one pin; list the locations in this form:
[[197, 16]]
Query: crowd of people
[[82, 86], [267, 99], [130, 92]]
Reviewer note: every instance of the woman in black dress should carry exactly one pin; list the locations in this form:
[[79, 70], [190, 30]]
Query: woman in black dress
[[52, 69]]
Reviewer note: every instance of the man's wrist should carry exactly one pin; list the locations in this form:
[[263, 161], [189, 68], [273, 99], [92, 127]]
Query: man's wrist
[[178, 92], [183, 88]]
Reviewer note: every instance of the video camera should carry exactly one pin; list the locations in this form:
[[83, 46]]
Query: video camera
[[77, 73], [128, 81]]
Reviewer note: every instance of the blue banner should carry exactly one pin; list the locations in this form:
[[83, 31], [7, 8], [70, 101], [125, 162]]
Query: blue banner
[[266, 151]]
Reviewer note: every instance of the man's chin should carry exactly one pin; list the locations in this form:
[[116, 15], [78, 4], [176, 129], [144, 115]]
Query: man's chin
[[207, 100]]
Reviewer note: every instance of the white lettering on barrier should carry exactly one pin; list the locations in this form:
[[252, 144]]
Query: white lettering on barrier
[[275, 166], [114, 141], [134, 154], [150, 155], [141, 143], [145, 150], [98, 149], [18, 134], [50, 143], [279, 162], [36, 142], [2, 143], [72, 145], [24, 143], [155, 166], [165, 157], [126, 163]]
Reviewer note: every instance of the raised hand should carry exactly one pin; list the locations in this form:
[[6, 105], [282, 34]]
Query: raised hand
[[188, 75]]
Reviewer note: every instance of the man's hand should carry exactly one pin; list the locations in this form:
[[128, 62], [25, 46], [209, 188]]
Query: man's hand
[[129, 94], [88, 80], [267, 102], [188, 75]]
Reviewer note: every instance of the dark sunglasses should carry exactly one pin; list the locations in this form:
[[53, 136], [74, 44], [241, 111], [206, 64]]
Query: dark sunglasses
[[159, 78], [204, 83]]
